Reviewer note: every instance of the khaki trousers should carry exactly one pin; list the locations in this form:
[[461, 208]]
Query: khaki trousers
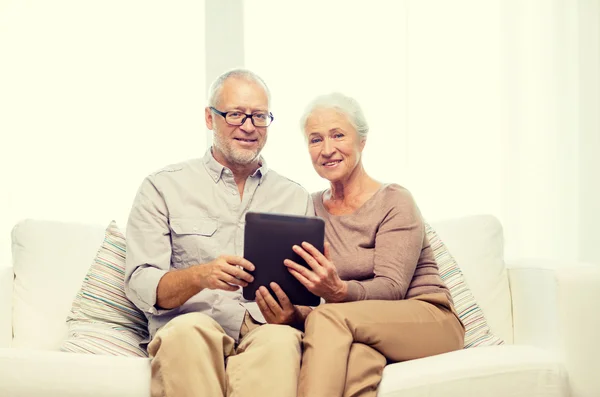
[[347, 345], [192, 356]]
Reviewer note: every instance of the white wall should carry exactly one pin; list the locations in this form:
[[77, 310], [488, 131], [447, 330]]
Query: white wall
[[485, 98], [224, 41], [589, 124], [494, 103], [93, 97], [319, 48]]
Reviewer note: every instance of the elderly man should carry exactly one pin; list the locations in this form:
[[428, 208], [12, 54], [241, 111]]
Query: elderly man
[[184, 265]]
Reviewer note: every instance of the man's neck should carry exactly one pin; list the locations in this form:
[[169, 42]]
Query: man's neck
[[240, 172]]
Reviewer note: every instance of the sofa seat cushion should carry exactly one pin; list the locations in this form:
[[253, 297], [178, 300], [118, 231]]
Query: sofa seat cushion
[[491, 371], [27, 372]]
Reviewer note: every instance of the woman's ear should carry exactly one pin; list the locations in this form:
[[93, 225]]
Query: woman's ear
[[363, 141]]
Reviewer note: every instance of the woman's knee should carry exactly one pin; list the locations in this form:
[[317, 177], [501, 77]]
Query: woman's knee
[[329, 312]]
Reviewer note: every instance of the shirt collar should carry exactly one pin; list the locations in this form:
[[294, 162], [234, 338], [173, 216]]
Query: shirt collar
[[216, 169]]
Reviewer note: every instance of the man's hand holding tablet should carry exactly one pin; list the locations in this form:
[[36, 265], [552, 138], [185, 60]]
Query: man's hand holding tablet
[[280, 311]]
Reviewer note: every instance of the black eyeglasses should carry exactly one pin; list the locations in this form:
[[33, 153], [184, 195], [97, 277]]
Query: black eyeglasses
[[235, 117]]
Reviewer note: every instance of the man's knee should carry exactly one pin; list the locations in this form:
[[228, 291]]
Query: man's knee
[[192, 320], [279, 336], [188, 326]]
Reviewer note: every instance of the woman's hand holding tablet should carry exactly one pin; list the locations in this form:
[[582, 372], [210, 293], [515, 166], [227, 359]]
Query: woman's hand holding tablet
[[268, 241]]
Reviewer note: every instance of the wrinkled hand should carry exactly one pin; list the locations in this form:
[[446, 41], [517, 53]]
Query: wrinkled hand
[[276, 313], [227, 272], [323, 280]]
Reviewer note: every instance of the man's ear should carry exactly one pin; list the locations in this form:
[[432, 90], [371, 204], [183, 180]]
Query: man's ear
[[208, 118]]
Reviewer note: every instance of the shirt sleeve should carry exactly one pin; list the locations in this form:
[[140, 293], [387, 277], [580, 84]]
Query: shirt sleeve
[[148, 247], [310, 208], [398, 245]]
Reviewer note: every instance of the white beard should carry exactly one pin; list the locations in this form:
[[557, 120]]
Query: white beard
[[235, 155]]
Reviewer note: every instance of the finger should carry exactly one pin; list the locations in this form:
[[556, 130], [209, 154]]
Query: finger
[[310, 259], [319, 257], [239, 261], [224, 286], [307, 273], [315, 253], [235, 270], [327, 247], [283, 299], [271, 302], [264, 308], [237, 273], [232, 280], [303, 280]]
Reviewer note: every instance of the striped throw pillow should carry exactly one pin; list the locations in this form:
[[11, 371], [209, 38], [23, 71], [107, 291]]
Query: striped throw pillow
[[477, 330], [102, 320]]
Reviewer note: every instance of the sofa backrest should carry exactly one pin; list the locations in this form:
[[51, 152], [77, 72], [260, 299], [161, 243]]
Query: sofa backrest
[[50, 260], [477, 244]]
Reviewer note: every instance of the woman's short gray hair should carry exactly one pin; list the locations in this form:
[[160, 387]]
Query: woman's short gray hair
[[342, 103], [215, 87]]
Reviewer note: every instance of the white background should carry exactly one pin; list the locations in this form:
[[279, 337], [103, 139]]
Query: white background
[[476, 106], [94, 96]]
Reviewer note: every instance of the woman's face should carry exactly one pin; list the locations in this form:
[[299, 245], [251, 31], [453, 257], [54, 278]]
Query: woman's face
[[333, 143]]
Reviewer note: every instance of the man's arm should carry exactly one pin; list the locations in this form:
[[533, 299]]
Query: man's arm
[[177, 286], [149, 282], [148, 256]]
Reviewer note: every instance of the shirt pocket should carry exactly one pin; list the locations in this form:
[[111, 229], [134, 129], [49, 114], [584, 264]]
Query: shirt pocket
[[193, 241]]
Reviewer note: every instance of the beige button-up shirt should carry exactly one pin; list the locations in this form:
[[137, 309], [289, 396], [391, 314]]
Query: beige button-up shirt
[[189, 214]]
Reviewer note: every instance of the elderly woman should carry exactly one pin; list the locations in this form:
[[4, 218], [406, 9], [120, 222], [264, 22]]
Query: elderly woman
[[385, 300]]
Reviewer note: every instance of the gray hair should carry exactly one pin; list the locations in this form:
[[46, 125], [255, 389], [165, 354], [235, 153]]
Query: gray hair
[[342, 103], [240, 73]]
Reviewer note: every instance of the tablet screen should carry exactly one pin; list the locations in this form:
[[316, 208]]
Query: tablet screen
[[268, 240]]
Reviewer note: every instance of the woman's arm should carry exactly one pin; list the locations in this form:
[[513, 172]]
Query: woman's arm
[[398, 245]]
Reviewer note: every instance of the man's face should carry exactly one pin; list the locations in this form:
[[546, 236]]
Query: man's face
[[238, 145]]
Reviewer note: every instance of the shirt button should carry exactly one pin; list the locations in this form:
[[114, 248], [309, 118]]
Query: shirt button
[[195, 228]]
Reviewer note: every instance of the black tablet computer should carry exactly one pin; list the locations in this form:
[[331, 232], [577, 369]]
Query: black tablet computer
[[268, 240]]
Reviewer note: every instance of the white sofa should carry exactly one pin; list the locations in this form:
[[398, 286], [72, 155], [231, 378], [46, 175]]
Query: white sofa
[[548, 314]]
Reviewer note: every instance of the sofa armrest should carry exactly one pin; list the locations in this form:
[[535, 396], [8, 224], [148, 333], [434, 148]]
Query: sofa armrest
[[6, 303], [534, 293], [579, 316], [556, 306]]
